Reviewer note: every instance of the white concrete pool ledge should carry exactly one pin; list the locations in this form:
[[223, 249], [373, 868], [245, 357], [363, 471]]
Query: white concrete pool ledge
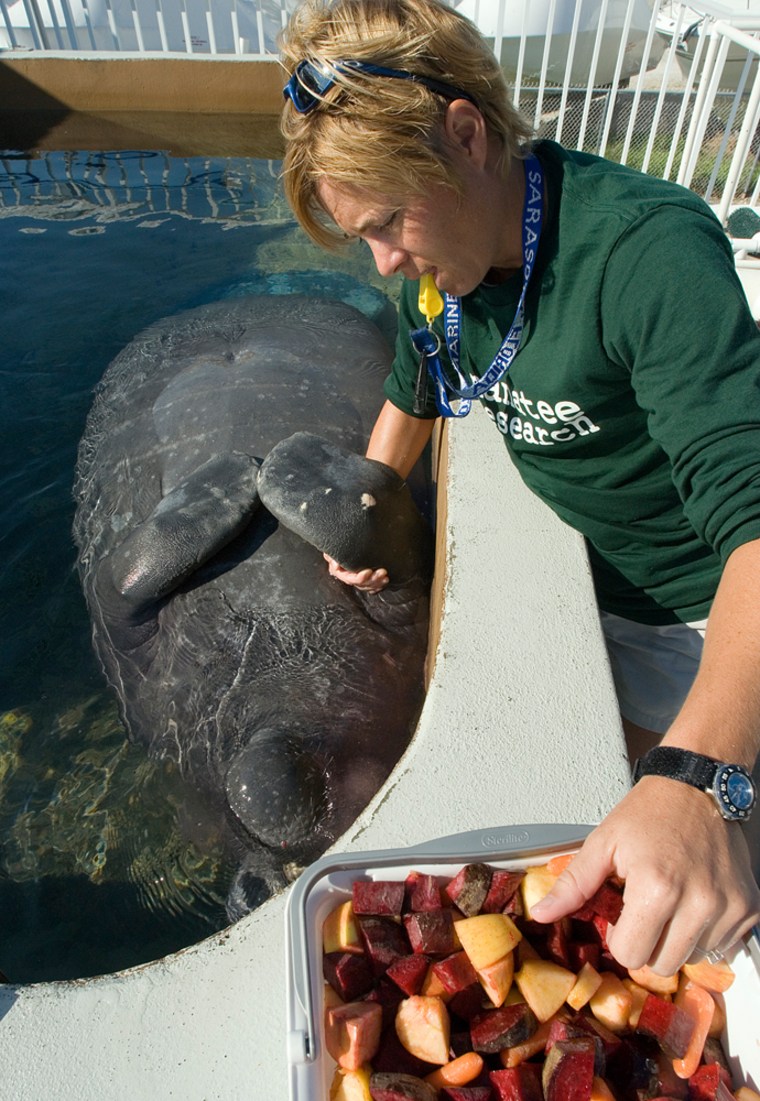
[[519, 726]]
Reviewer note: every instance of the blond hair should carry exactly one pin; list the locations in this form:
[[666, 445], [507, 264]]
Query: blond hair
[[381, 133]]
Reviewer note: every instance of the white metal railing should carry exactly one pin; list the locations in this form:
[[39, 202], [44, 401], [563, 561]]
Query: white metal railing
[[669, 87], [217, 27]]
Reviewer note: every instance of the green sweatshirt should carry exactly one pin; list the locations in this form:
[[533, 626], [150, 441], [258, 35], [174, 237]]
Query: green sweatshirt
[[633, 406]]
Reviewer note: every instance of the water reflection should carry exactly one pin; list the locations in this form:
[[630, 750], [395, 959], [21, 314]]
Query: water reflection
[[104, 860]]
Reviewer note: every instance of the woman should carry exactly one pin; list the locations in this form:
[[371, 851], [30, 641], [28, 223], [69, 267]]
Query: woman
[[597, 315]]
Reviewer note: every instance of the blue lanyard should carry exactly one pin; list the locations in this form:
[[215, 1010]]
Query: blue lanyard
[[428, 345]]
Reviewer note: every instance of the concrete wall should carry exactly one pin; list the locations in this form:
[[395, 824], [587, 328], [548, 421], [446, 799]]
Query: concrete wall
[[112, 82], [519, 726]]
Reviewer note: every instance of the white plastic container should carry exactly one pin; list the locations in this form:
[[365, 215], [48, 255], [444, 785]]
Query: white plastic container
[[328, 882]]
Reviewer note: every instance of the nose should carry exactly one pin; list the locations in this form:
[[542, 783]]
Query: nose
[[388, 258]]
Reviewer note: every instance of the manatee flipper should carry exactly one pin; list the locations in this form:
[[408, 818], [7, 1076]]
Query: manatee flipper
[[357, 510], [187, 527]]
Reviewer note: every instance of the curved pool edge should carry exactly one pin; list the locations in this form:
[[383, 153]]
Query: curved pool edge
[[520, 683]]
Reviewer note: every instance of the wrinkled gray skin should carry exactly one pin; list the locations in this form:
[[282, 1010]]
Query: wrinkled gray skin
[[284, 697]]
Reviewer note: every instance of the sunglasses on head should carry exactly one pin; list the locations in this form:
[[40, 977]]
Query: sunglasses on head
[[310, 82]]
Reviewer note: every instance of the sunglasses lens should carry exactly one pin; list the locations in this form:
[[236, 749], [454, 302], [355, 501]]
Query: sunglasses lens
[[307, 85]]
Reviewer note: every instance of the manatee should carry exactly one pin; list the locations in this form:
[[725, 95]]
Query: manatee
[[221, 459]]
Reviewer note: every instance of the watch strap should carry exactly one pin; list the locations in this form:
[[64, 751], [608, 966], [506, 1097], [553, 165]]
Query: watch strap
[[677, 764]]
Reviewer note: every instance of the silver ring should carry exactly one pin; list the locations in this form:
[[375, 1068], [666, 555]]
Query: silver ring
[[712, 956]]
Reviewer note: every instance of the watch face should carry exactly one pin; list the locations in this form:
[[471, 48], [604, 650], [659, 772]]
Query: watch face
[[734, 791]]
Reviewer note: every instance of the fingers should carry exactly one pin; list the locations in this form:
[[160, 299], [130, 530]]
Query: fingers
[[575, 885], [687, 875], [369, 581]]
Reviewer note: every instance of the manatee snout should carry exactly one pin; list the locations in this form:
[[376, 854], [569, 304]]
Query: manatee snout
[[357, 510], [277, 789]]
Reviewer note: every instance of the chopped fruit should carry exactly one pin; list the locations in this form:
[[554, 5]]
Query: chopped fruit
[[340, 933], [432, 932], [351, 1085], [600, 1091], [496, 979], [568, 1073], [352, 1033], [386, 1086], [611, 1003], [384, 942], [423, 1027], [455, 972], [699, 1004], [408, 972], [517, 1084], [654, 983], [584, 952], [504, 887], [433, 987], [517, 1053], [469, 887], [486, 938], [466, 1093], [587, 983], [671, 1027], [639, 995], [545, 986], [712, 976], [467, 1003], [557, 864], [348, 974], [495, 1029], [458, 1072], [719, 1017], [710, 1083], [378, 898], [422, 892], [331, 997], [557, 942], [536, 884], [446, 980], [607, 903]]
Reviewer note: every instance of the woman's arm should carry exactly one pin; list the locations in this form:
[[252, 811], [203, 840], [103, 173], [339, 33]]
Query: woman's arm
[[397, 440], [688, 872]]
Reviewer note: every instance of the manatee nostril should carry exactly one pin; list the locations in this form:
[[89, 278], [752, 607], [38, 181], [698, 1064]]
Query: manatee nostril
[[277, 789]]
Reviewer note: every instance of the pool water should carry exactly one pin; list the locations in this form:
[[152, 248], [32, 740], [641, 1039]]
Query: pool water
[[104, 861]]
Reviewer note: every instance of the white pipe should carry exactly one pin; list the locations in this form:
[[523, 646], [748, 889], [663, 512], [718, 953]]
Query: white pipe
[[592, 71], [613, 92]]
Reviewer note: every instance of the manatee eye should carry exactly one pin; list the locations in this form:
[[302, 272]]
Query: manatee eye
[[277, 789]]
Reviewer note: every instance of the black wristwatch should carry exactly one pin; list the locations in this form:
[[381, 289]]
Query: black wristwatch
[[731, 786]]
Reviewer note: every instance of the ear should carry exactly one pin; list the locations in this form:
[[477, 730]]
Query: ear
[[465, 128]]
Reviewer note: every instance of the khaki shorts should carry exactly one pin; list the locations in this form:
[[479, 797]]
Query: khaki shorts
[[653, 667]]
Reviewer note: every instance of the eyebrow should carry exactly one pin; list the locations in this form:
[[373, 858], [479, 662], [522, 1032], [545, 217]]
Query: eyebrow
[[375, 221]]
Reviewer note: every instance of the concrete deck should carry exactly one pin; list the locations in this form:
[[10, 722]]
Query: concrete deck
[[519, 726]]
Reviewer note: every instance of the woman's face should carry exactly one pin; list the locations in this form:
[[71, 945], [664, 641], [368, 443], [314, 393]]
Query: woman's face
[[442, 233], [456, 237]]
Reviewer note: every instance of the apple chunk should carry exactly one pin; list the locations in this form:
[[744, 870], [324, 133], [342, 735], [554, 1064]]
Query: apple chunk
[[352, 1033], [496, 979], [536, 884], [351, 1085], [544, 985], [423, 1027], [340, 933], [487, 938]]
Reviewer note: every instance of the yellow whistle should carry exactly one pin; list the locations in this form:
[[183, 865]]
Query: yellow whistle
[[430, 303]]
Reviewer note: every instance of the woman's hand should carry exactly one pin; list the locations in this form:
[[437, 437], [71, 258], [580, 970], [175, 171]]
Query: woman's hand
[[368, 581], [688, 878]]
